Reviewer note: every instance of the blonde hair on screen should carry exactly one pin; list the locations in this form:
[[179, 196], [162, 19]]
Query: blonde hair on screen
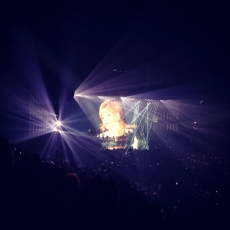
[[114, 107]]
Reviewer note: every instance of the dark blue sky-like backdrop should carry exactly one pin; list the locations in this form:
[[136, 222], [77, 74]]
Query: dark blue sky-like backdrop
[[168, 43]]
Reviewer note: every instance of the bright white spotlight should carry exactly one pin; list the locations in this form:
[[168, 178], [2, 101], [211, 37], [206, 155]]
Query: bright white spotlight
[[58, 123], [57, 126]]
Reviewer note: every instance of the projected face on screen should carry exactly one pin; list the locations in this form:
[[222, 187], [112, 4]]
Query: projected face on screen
[[113, 128], [111, 113], [114, 132]]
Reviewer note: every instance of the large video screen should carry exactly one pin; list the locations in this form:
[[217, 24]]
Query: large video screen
[[126, 122]]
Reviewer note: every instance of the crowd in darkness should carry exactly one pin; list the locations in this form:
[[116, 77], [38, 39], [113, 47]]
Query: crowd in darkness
[[184, 191]]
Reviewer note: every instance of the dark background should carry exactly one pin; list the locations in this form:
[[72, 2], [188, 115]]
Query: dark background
[[181, 44], [181, 47]]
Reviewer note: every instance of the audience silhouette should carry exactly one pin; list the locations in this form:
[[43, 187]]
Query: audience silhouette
[[41, 195]]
